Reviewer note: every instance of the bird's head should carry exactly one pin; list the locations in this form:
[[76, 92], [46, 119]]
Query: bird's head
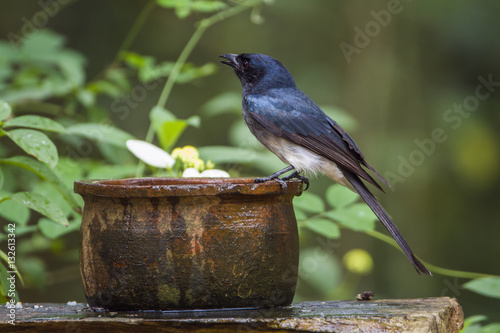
[[255, 69]]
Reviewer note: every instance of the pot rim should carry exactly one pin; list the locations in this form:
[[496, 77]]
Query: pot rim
[[175, 187]]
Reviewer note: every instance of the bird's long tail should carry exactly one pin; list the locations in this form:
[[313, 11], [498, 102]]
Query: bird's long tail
[[379, 211]]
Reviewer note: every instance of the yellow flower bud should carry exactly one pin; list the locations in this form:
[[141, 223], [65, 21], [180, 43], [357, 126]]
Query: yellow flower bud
[[358, 261], [176, 153], [209, 164], [199, 164], [190, 153]]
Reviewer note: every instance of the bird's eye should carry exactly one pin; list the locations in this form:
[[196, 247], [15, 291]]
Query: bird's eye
[[245, 64]]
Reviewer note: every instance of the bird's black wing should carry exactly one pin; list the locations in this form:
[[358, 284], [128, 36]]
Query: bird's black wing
[[290, 114], [295, 117]]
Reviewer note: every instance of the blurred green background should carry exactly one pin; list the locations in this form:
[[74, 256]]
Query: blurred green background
[[403, 78]]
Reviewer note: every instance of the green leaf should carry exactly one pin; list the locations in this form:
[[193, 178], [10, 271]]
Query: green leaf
[[309, 202], [147, 68], [488, 286], [119, 77], [207, 6], [46, 190], [474, 319], [112, 171], [183, 12], [341, 117], [194, 121], [35, 143], [189, 72], [44, 173], [339, 196], [43, 44], [223, 154], [5, 110], [491, 328], [152, 72], [170, 132], [1, 179], [324, 227], [42, 205], [69, 170], [104, 87], [71, 65], [136, 60], [38, 122], [172, 3], [319, 269], [183, 7], [228, 102], [101, 133], [52, 230], [300, 215], [86, 97], [471, 324], [14, 212], [358, 217], [159, 115], [34, 270], [168, 127]]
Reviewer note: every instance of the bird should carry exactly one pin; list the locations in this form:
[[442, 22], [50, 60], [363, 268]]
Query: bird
[[293, 127]]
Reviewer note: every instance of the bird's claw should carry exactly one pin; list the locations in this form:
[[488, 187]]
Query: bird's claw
[[296, 175], [283, 184], [283, 180]]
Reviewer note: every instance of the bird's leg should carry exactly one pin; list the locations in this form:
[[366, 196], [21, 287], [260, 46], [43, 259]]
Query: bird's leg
[[275, 176], [296, 175]]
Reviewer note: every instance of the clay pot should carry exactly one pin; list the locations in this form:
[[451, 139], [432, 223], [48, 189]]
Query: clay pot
[[188, 243]]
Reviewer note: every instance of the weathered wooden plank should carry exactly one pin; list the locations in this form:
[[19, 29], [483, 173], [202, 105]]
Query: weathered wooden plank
[[441, 314]]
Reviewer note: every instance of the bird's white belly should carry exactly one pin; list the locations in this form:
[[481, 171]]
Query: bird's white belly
[[302, 159]]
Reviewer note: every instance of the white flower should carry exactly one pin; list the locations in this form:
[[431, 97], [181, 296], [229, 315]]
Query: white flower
[[215, 173], [150, 154], [191, 172]]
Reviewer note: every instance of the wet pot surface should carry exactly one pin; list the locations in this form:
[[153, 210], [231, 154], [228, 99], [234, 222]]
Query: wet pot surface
[[190, 243]]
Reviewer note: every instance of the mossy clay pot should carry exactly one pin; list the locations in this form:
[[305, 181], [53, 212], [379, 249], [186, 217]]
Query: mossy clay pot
[[188, 243]]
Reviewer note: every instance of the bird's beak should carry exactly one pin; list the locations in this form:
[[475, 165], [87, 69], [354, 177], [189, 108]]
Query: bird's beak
[[230, 60]]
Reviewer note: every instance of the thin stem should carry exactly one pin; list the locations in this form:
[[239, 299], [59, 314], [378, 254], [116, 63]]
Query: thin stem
[[134, 30], [129, 38], [433, 268]]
